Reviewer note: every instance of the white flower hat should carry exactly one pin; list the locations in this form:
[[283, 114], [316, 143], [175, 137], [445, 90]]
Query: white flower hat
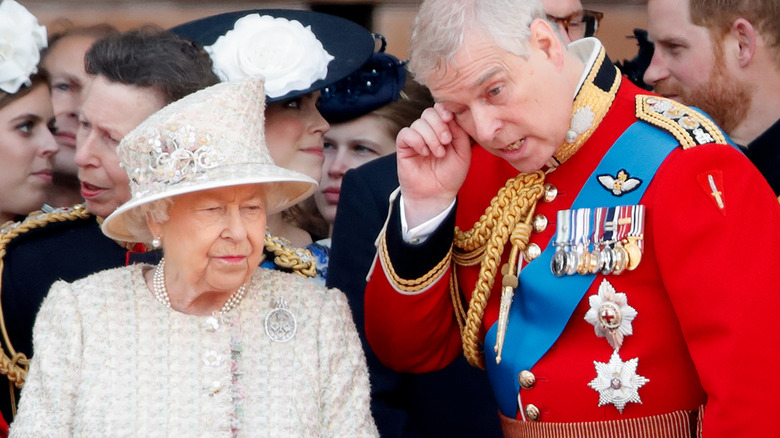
[[296, 51], [21, 42], [209, 139]]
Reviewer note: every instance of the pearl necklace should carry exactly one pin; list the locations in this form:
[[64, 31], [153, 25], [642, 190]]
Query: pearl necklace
[[161, 292]]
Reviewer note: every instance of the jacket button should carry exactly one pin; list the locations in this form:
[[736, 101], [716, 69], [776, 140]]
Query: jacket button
[[532, 413], [526, 379], [540, 223], [532, 252], [550, 192]]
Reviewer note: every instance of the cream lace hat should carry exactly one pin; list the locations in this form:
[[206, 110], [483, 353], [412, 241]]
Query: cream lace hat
[[212, 138]]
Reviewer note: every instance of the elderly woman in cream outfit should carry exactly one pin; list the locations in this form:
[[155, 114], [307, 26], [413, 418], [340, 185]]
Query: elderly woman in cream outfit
[[205, 343]]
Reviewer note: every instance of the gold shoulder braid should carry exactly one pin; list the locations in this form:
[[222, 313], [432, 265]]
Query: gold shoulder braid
[[508, 217], [690, 127], [14, 364], [417, 284], [299, 260], [593, 99]]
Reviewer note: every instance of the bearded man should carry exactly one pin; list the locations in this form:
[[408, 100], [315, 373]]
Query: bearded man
[[723, 57]]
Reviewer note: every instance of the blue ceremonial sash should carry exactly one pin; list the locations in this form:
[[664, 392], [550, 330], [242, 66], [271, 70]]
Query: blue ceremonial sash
[[543, 303]]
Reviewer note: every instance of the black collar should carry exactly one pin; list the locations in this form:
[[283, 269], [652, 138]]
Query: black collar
[[764, 152]]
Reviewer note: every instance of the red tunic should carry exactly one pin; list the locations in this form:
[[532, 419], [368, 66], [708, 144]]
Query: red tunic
[[705, 293]]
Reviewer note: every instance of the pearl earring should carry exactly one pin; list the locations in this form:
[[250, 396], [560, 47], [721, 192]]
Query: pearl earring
[[156, 242]]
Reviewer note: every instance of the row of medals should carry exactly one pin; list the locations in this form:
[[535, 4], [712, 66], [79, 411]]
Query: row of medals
[[574, 254]]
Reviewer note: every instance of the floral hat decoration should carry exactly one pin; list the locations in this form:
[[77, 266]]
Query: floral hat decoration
[[296, 51], [21, 42], [212, 138], [375, 84]]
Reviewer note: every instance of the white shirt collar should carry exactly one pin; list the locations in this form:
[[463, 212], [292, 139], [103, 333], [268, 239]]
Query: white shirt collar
[[586, 50]]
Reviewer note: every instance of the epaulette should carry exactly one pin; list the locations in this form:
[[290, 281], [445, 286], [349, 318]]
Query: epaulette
[[689, 126], [298, 260], [14, 364]]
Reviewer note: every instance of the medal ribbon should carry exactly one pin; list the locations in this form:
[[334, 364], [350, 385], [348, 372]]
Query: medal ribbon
[[564, 229], [623, 222], [544, 303], [638, 226], [610, 226], [598, 226], [583, 228]]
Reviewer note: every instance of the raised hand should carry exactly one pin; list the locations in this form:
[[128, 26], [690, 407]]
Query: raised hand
[[434, 154]]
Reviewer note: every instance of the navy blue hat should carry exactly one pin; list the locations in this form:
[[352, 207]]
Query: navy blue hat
[[378, 82], [348, 43]]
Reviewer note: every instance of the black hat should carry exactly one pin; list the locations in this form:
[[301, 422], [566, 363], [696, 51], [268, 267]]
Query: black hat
[[377, 83], [348, 43]]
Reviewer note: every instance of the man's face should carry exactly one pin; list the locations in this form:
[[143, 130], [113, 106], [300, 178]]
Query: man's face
[[684, 53], [516, 108], [562, 9], [689, 66]]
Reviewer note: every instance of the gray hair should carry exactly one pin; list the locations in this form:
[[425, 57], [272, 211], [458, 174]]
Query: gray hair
[[158, 211], [440, 28]]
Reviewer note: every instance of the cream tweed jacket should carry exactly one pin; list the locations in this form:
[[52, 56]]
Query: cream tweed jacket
[[111, 361]]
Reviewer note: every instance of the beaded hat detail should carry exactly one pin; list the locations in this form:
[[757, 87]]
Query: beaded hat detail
[[212, 138]]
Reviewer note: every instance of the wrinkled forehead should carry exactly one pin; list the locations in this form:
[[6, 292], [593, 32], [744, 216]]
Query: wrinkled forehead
[[475, 62]]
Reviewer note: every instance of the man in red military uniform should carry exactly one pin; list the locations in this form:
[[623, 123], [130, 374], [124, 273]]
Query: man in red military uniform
[[592, 255]]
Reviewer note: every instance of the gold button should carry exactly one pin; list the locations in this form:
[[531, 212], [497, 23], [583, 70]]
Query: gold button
[[550, 192], [531, 252], [532, 413], [540, 223], [526, 379]]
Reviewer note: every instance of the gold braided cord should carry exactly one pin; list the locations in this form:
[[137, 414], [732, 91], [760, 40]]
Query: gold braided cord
[[14, 364], [299, 260], [412, 285], [597, 100], [510, 214], [457, 302], [507, 217]]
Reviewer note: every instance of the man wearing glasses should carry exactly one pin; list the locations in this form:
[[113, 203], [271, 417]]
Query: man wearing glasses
[[574, 21]]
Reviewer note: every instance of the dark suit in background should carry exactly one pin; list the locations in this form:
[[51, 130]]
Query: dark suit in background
[[453, 402]]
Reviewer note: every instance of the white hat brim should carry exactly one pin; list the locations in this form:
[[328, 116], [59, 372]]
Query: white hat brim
[[287, 188]]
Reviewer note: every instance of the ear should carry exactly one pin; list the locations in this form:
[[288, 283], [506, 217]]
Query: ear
[[544, 39], [745, 36]]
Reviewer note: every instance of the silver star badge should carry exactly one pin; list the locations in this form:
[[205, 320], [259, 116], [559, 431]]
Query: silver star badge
[[610, 314], [617, 382]]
